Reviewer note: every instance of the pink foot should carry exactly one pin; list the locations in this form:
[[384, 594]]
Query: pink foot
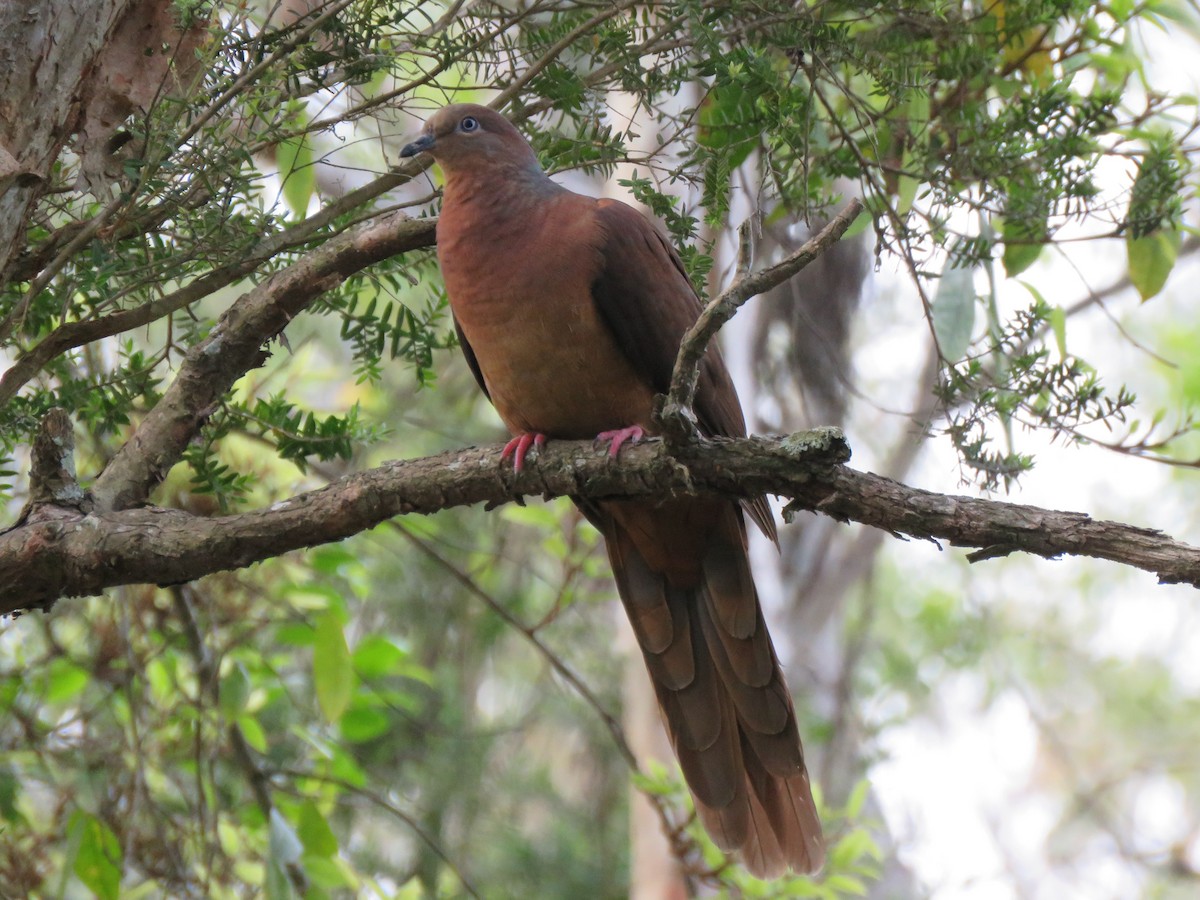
[[519, 446], [632, 434]]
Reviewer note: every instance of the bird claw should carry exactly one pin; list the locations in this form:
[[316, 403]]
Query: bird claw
[[619, 436], [519, 446]]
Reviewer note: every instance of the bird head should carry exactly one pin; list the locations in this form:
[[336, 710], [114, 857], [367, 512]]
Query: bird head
[[466, 135]]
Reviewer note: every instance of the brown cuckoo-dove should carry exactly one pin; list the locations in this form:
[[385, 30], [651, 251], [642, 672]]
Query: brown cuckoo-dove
[[570, 311]]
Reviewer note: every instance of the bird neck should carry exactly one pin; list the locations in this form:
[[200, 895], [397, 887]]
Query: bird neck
[[499, 192]]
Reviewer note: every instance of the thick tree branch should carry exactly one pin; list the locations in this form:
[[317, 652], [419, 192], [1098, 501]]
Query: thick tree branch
[[75, 554]]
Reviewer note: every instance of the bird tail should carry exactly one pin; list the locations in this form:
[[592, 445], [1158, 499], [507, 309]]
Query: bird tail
[[718, 682]]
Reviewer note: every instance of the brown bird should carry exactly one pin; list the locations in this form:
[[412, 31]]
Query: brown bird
[[570, 311]]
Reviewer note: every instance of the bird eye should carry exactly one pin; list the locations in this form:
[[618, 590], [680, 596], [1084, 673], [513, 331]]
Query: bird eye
[[470, 123]]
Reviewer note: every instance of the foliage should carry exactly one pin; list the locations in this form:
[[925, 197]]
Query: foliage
[[361, 721]]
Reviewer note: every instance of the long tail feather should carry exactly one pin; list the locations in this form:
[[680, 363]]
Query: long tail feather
[[691, 600]]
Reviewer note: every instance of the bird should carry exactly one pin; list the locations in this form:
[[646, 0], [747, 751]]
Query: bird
[[570, 311]]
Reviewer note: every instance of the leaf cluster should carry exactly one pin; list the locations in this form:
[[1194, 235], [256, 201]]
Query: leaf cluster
[[1019, 383]]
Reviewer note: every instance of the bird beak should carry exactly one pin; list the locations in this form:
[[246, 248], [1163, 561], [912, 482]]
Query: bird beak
[[420, 145]]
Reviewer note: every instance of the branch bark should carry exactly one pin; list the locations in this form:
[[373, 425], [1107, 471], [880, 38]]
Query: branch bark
[[61, 551]]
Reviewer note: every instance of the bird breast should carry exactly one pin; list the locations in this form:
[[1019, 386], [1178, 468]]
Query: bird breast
[[520, 287]]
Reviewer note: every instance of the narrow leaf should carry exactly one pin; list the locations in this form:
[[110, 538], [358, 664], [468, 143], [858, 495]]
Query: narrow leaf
[[954, 312], [1058, 322], [333, 671], [298, 173], [906, 193], [314, 831], [234, 690], [1151, 259], [857, 799], [9, 791]]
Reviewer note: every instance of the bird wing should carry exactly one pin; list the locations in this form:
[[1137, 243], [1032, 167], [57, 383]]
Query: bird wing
[[644, 296], [469, 356]]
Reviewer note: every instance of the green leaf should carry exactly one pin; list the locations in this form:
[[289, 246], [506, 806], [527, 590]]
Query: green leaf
[[656, 780], [66, 680], [1058, 324], [1024, 231], [954, 312], [277, 886], [330, 558], [343, 766], [860, 224], [361, 725], [295, 159], [1019, 257], [851, 849], [333, 672], [296, 634], [98, 859], [906, 193], [846, 885], [253, 732], [1151, 259], [331, 874], [9, 790], [376, 656], [857, 799], [234, 690], [311, 596], [314, 831]]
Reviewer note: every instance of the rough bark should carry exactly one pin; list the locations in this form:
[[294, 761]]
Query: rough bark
[[70, 62], [60, 550]]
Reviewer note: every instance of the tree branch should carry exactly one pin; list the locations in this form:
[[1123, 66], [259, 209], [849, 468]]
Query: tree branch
[[78, 332], [52, 464], [238, 344], [76, 554]]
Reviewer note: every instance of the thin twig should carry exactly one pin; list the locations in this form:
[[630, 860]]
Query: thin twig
[[682, 846], [243, 754], [695, 342], [425, 837]]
